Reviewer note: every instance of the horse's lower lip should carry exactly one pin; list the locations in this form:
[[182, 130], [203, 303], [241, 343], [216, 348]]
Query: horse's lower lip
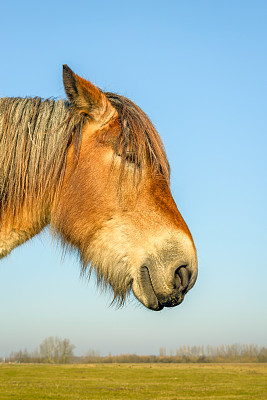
[[152, 301], [155, 303]]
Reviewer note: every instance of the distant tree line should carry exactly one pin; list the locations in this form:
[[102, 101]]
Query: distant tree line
[[51, 350], [235, 353], [56, 350]]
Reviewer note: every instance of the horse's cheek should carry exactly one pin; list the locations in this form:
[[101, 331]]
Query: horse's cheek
[[85, 201]]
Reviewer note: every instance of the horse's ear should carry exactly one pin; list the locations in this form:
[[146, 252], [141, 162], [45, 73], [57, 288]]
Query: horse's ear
[[82, 94]]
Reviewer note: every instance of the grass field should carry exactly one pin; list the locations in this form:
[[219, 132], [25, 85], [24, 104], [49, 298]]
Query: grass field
[[133, 381]]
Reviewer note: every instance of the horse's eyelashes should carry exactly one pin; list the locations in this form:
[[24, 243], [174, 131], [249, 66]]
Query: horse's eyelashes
[[130, 158]]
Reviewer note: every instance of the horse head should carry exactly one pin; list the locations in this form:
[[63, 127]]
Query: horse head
[[115, 204]]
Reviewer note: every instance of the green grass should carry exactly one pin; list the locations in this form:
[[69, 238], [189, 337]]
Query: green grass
[[133, 381]]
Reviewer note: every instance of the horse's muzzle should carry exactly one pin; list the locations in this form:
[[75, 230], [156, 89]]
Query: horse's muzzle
[[168, 290]]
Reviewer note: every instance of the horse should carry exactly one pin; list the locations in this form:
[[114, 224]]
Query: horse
[[94, 169]]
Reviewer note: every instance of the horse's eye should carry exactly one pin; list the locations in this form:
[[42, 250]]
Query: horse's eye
[[130, 158]]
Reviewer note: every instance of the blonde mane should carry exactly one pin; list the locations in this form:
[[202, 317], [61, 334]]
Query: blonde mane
[[34, 139]]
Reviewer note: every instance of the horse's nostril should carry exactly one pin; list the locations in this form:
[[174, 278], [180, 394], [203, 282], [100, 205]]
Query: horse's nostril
[[182, 277]]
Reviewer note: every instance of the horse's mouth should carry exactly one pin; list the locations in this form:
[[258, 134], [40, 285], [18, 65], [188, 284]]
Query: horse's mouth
[[150, 298]]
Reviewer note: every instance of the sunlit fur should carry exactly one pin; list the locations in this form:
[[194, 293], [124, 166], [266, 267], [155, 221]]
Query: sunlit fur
[[95, 169]]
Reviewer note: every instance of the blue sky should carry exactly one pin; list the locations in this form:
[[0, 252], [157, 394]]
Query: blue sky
[[198, 69]]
